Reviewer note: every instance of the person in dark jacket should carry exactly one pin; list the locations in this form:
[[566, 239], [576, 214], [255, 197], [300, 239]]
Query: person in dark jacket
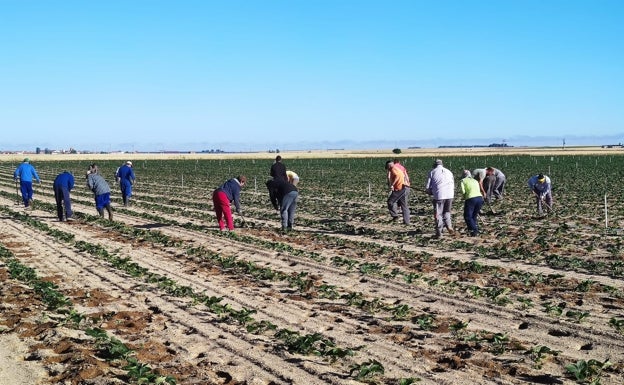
[[283, 196], [278, 170], [222, 198], [101, 191], [63, 184]]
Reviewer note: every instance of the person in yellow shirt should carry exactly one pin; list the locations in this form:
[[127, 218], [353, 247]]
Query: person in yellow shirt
[[399, 192], [473, 201]]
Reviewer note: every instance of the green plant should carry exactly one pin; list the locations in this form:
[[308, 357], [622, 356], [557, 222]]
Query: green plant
[[576, 315], [588, 371], [458, 328], [618, 324], [424, 321], [366, 370], [538, 354], [143, 374], [408, 381], [554, 309]]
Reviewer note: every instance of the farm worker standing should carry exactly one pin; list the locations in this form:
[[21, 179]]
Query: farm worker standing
[[293, 178], [473, 201], [223, 196], [101, 191], [125, 177], [63, 184], [283, 196], [497, 182], [541, 187], [399, 192], [25, 172], [278, 170], [441, 186]]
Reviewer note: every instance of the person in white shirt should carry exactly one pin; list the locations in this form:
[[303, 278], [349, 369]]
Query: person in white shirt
[[441, 186]]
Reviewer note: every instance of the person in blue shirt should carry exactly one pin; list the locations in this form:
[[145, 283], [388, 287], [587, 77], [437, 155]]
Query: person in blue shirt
[[223, 196], [63, 184], [541, 187], [25, 173], [125, 177]]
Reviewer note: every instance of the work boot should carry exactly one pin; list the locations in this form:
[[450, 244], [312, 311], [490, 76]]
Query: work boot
[[110, 212]]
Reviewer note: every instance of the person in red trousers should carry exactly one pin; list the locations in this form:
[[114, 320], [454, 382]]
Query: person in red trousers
[[222, 198]]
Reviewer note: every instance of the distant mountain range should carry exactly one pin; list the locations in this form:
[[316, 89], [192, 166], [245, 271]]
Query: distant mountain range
[[232, 146]]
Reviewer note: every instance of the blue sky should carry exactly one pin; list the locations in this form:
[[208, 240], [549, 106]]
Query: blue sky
[[293, 74]]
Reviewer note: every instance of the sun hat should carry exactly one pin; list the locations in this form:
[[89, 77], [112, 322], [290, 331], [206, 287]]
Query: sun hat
[[26, 160], [467, 173], [438, 162], [129, 163]]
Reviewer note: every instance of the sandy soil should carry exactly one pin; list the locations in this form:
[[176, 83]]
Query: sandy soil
[[14, 369]]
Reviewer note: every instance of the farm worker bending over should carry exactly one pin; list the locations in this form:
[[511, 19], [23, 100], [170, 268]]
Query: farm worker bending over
[[283, 196], [473, 201], [541, 187], [399, 192], [293, 178], [497, 182], [63, 184], [485, 182], [222, 197], [25, 172], [101, 191], [441, 186], [278, 170], [125, 177]]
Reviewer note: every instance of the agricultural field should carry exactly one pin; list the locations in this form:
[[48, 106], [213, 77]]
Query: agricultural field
[[159, 296]]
